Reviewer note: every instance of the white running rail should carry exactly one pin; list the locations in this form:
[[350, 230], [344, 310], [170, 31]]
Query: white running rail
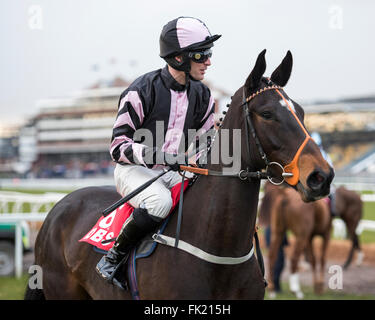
[[11, 206]]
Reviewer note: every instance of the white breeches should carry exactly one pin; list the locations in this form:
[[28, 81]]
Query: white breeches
[[157, 197]]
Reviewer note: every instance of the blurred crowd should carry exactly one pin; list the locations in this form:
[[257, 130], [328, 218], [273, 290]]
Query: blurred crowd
[[74, 169]]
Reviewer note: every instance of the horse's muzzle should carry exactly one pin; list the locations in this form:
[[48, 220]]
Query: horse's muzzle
[[319, 182]]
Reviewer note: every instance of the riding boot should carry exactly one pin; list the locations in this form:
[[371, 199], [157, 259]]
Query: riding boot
[[137, 226]]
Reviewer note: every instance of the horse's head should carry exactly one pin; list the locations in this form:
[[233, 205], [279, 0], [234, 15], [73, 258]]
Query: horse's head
[[278, 124]]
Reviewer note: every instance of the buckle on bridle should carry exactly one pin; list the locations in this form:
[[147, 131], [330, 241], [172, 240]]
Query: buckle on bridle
[[283, 174], [243, 174]]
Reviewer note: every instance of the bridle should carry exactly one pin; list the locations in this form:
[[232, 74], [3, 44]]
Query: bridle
[[244, 174], [290, 172]]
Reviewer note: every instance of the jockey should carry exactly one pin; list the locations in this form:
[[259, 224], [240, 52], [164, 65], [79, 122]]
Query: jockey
[[164, 103]]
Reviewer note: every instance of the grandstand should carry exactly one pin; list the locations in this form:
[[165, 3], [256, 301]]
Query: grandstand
[[71, 135], [347, 128], [9, 148]]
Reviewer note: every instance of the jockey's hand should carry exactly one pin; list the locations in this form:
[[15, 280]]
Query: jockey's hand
[[175, 160]]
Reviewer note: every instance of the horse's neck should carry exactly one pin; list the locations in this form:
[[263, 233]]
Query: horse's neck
[[219, 215], [220, 212], [234, 143]]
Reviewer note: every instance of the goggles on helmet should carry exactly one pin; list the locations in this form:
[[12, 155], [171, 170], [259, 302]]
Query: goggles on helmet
[[200, 56]]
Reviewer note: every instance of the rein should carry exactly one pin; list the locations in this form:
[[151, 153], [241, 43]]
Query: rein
[[243, 175], [247, 174], [291, 177]]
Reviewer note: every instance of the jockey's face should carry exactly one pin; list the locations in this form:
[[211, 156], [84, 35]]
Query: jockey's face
[[198, 70]]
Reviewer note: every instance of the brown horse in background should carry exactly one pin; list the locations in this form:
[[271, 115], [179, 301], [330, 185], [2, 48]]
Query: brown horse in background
[[219, 212], [284, 210], [349, 208]]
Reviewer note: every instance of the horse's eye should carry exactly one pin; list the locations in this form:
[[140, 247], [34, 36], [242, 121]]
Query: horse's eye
[[266, 115]]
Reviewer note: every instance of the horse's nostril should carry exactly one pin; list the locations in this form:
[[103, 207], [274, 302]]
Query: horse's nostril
[[316, 180], [319, 178]]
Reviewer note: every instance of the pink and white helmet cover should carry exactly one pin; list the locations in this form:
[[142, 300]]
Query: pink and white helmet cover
[[190, 31]]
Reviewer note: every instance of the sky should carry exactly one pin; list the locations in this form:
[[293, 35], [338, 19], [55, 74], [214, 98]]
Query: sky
[[54, 48]]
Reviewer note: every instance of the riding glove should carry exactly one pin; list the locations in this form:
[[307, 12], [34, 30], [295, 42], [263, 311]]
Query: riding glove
[[175, 160]]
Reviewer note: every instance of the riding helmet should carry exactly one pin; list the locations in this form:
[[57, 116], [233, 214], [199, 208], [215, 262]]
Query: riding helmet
[[181, 36]]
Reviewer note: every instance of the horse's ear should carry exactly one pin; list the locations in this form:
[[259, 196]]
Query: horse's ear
[[282, 73], [253, 80]]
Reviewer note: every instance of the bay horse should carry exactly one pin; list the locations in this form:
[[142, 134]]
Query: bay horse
[[219, 211], [284, 210], [349, 207]]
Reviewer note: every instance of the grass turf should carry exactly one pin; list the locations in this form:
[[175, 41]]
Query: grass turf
[[14, 289]]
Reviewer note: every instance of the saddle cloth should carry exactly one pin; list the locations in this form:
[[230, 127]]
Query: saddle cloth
[[110, 226]]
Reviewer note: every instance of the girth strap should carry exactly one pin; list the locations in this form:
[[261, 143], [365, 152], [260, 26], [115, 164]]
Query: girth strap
[[169, 241]]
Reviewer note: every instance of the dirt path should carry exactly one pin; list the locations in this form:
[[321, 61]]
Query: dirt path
[[359, 280]]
